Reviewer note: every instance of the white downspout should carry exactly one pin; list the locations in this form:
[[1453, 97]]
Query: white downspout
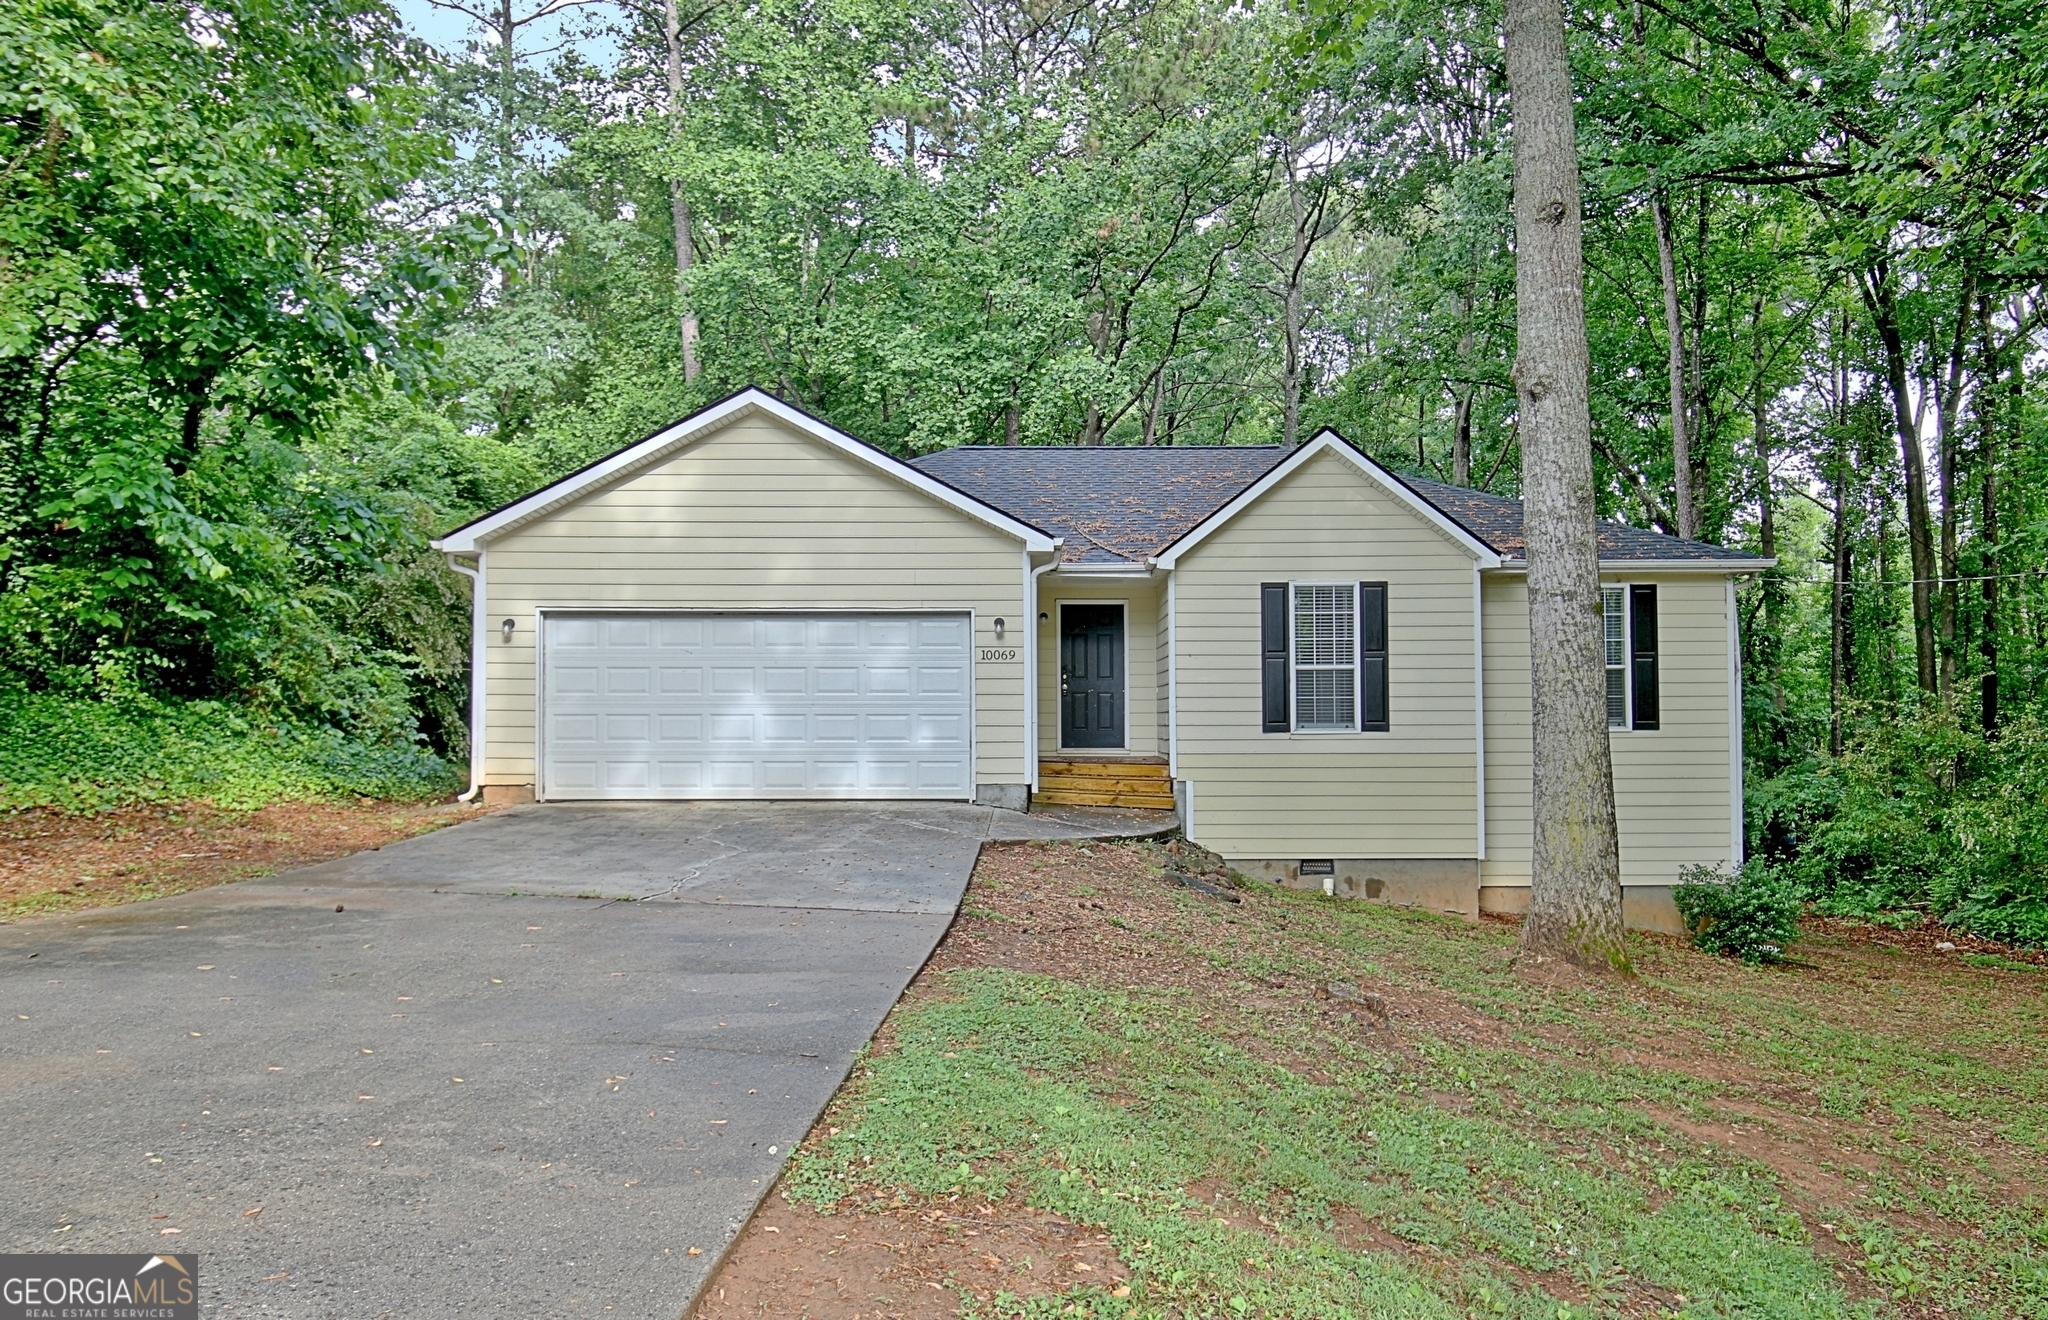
[[1185, 788], [478, 605], [1737, 826], [1031, 658]]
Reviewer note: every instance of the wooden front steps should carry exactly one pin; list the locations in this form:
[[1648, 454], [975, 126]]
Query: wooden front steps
[[1141, 781]]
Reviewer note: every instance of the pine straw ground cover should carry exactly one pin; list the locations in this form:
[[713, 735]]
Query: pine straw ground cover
[[1110, 1096]]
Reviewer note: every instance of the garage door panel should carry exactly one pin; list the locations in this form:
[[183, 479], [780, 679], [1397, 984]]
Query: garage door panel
[[628, 680], [679, 632], [934, 681], [574, 680], [739, 706]]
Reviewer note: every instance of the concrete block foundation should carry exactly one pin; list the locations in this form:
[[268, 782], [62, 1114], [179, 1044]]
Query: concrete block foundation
[[1643, 907], [1439, 884]]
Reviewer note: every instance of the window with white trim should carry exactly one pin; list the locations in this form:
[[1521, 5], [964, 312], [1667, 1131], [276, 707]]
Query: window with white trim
[[1326, 657], [1614, 638]]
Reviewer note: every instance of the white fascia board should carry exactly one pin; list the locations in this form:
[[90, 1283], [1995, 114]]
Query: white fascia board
[[1329, 442], [1105, 570], [468, 539], [1662, 567]]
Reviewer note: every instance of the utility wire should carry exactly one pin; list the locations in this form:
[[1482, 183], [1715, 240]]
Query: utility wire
[[1910, 582]]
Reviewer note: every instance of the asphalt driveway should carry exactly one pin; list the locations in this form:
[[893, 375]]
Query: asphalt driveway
[[463, 1074]]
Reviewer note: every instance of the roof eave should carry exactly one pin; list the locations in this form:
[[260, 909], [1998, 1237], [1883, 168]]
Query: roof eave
[[1714, 566]]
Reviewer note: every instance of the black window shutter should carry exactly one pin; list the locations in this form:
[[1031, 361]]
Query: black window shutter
[[1372, 657], [1273, 655], [1642, 631]]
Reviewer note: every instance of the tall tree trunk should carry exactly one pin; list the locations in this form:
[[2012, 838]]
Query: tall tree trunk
[[1767, 506], [1683, 503], [1877, 292], [1987, 421], [1152, 405], [1290, 369], [1461, 437], [1838, 602], [1948, 398], [1461, 424], [1091, 425], [679, 203], [1575, 865]]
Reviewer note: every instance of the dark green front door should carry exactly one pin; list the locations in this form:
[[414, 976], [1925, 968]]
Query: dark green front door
[[1092, 676]]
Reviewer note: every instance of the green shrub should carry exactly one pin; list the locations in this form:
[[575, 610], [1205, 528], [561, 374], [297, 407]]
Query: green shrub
[[85, 755], [1751, 915], [1923, 815]]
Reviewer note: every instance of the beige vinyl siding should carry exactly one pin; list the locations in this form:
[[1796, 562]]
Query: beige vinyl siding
[[755, 516], [1145, 695], [1407, 793], [1671, 785]]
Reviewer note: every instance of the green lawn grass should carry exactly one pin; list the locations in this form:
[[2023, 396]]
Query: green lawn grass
[[1504, 1147]]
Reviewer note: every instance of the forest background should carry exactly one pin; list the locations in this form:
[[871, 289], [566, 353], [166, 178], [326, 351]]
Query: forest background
[[284, 291]]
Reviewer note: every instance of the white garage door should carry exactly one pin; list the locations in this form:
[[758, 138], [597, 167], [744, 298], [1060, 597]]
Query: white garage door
[[768, 706]]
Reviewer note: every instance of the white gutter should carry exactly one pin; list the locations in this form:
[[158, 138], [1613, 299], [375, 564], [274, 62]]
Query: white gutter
[[1031, 576], [1660, 567], [1479, 703], [477, 606]]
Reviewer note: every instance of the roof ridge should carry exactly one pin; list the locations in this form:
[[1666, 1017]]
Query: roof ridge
[[1093, 449]]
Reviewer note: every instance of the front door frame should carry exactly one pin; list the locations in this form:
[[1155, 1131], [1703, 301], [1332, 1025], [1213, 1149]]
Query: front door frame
[[1059, 660]]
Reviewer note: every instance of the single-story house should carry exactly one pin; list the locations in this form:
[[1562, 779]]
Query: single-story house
[[1323, 665]]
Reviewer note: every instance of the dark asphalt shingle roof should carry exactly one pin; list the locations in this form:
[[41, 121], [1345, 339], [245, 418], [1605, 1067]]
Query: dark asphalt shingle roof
[[1497, 520], [1121, 504], [1115, 504]]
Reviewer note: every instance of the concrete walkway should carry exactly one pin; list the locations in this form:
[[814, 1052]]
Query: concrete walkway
[[459, 1075]]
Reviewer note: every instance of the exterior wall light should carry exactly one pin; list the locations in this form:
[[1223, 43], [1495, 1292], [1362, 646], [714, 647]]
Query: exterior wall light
[[507, 630], [999, 627]]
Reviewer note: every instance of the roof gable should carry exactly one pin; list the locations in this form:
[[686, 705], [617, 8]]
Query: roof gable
[[671, 440], [1329, 442]]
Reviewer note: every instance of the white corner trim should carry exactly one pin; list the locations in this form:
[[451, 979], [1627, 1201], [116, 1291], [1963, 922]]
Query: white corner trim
[[479, 606], [1031, 711], [469, 538], [1479, 702], [1329, 442], [1172, 683], [1737, 827]]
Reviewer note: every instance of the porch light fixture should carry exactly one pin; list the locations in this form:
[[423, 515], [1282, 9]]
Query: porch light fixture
[[999, 627], [506, 631]]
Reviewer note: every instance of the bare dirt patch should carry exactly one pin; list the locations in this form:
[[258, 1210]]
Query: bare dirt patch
[[901, 1263], [53, 862]]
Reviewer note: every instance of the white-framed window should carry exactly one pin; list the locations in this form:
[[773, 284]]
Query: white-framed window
[[1614, 641], [1326, 657]]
